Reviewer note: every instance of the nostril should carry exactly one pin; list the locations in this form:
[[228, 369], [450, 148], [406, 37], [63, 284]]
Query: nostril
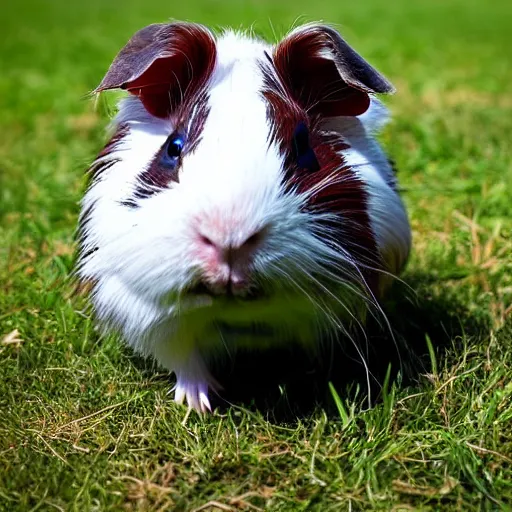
[[206, 241], [253, 239], [256, 238]]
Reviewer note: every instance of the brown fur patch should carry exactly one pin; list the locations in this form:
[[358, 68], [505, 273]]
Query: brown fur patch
[[334, 188]]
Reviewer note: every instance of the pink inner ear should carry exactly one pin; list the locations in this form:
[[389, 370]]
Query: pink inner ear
[[180, 60], [314, 81], [353, 104], [159, 87], [318, 81]]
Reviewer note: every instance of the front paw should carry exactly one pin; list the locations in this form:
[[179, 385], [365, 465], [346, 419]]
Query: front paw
[[194, 393], [193, 381]]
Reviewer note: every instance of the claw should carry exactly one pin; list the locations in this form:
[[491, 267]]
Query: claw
[[204, 402], [192, 388], [179, 394]]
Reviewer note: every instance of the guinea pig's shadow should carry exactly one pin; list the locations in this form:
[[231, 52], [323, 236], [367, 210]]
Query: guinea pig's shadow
[[288, 384]]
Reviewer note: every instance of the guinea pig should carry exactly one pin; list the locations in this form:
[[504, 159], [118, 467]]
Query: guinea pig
[[242, 201]]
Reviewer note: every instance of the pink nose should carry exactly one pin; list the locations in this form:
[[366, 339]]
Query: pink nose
[[226, 265]]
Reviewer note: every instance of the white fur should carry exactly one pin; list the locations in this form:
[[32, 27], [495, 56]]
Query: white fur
[[144, 257], [387, 213]]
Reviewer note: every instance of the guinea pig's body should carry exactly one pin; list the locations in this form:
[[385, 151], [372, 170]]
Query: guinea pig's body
[[242, 201]]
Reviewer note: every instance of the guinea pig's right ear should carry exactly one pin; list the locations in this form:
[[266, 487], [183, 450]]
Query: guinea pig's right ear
[[161, 63], [324, 74]]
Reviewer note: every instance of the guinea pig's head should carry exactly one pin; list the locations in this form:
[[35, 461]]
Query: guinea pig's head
[[222, 191]]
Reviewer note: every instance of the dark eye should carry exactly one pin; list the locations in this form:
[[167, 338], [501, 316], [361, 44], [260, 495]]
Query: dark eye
[[304, 156], [172, 150]]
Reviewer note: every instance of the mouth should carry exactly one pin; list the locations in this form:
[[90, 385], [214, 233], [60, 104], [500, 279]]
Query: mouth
[[252, 329], [200, 290], [232, 314]]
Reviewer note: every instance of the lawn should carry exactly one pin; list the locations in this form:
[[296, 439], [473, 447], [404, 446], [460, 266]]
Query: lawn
[[85, 425]]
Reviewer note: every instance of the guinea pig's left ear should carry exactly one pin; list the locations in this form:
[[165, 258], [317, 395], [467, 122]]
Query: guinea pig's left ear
[[324, 74], [163, 64]]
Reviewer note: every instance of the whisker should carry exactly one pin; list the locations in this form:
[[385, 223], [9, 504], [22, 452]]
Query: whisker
[[379, 308], [346, 333]]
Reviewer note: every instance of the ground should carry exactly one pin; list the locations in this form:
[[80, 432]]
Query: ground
[[84, 425]]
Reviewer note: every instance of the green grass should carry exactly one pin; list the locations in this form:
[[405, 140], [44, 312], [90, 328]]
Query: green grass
[[84, 425]]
